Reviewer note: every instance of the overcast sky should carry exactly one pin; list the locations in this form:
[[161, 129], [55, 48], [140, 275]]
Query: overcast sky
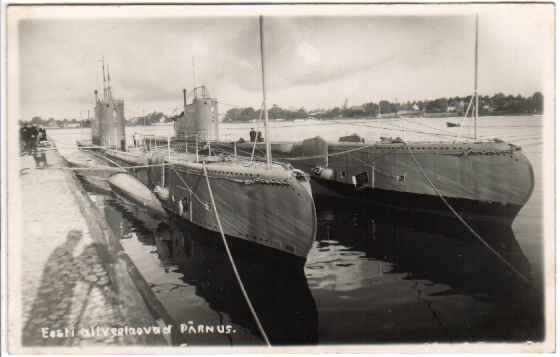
[[311, 62]]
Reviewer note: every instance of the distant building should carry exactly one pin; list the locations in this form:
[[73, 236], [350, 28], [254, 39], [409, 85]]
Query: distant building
[[357, 109], [406, 113], [410, 111], [316, 112]]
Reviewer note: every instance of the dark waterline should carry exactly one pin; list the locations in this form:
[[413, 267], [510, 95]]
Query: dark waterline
[[373, 276]]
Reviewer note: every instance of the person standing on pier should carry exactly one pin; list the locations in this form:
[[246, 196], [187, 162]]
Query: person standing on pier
[[24, 138], [40, 157], [33, 133], [34, 136], [253, 135], [42, 134]]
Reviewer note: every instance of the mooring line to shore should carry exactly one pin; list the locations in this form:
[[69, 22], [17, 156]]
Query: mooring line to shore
[[105, 158], [465, 223], [74, 146], [105, 167], [237, 276]]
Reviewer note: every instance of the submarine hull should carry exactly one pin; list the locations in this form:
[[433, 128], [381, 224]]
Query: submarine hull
[[474, 212], [279, 216], [270, 208], [484, 181]]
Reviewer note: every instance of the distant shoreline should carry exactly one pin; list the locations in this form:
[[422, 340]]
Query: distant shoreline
[[388, 117], [330, 119]]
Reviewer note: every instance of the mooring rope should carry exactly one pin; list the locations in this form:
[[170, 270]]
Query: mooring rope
[[367, 125], [111, 168], [191, 191], [409, 121], [298, 158], [106, 158], [74, 146], [372, 166], [465, 223], [237, 276]]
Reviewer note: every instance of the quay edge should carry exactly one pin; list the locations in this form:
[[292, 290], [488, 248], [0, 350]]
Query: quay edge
[[139, 303]]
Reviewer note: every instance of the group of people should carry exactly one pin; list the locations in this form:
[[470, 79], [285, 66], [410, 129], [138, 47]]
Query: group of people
[[30, 137], [256, 136]]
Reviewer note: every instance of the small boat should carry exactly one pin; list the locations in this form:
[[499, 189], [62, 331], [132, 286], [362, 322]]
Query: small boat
[[453, 125]]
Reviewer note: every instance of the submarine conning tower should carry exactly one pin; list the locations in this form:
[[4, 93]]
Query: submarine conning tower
[[108, 125], [200, 117]]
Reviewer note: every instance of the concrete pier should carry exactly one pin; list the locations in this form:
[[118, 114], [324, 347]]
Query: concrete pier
[[78, 288]]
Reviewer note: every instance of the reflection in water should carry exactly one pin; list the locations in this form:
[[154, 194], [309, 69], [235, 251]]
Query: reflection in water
[[399, 277], [373, 276], [276, 284], [444, 253]]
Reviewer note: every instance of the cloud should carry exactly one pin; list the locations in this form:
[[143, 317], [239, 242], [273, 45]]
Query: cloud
[[310, 60]]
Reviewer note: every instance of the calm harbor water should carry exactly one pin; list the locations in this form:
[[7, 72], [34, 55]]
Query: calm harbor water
[[371, 277]]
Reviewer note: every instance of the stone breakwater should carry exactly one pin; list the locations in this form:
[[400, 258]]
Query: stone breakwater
[[71, 277]]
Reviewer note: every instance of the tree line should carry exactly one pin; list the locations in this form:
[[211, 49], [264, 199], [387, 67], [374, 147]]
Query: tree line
[[56, 123], [150, 119], [147, 119], [275, 112], [498, 104]]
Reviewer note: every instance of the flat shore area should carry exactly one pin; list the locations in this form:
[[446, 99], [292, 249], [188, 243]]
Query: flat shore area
[[78, 287]]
